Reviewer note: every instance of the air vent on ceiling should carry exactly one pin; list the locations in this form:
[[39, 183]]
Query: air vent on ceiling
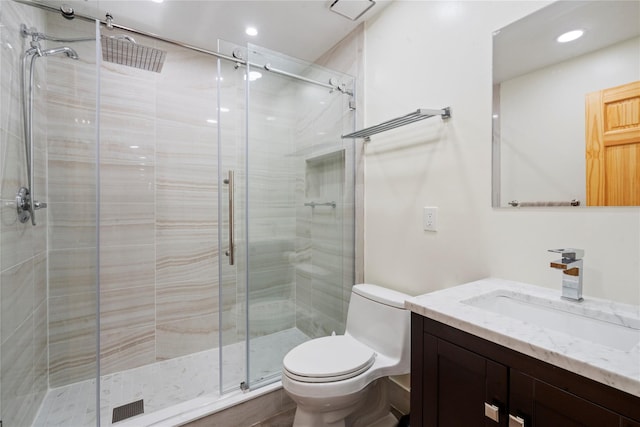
[[352, 9]]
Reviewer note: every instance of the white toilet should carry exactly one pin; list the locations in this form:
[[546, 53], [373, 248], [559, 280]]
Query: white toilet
[[333, 379]]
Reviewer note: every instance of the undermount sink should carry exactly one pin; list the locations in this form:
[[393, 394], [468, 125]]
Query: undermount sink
[[617, 331]]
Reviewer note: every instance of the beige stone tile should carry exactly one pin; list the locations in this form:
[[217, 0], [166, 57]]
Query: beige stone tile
[[71, 132], [17, 373], [186, 300], [192, 213], [17, 238], [124, 267], [187, 336], [72, 271], [282, 419], [14, 171], [75, 80], [177, 181], [137, 180], [128, 91], [41, 353], [126, 348], [127, 139], [72, 317], [127, 308], [72, 225], [245, 414], [185, 255], [72, 181], [72, 361], [124, 224], [17, 296], [187, 143], [40, 280]]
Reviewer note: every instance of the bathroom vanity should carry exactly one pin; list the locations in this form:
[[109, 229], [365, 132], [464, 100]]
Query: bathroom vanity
[[503, 353]]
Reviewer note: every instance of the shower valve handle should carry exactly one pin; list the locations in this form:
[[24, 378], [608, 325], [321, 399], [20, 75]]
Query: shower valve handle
[[25, 206]]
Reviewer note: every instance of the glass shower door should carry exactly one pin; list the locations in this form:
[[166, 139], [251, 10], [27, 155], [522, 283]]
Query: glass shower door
[[288, 207], [300, 187], [231, 118]]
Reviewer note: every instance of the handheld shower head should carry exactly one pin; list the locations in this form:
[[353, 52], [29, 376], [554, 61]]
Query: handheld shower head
[[63, 49]]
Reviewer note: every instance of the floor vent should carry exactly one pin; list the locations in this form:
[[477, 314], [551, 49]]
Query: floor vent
[[127, 411]]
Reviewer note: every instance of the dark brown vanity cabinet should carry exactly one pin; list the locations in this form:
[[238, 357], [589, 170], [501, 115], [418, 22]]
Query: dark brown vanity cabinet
[[458, 379]]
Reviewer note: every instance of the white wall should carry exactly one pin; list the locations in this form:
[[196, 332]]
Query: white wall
[[434, 54]]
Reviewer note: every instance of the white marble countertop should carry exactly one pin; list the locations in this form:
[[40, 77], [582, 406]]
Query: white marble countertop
[[617, 368]]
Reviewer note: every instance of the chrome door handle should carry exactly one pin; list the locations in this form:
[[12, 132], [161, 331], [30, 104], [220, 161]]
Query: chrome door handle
[[230, 251]]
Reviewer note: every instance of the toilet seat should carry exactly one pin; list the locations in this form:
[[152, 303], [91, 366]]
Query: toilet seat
[[328, 359]]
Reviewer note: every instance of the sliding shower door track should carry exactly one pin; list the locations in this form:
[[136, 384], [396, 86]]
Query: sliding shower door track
[[267, 67]]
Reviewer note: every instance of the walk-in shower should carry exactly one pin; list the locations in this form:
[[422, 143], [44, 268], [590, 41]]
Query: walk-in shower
[[121, 292]]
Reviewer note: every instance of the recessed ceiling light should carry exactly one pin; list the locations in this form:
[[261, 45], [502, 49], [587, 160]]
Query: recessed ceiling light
[[157, 1], [251, 31], [570, 36], [254, 75]]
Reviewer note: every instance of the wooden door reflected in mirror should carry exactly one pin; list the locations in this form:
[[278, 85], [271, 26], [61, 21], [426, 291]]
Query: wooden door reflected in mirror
[[612, 118]]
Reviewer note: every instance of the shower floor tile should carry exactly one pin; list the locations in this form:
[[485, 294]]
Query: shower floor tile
[[165, 383]]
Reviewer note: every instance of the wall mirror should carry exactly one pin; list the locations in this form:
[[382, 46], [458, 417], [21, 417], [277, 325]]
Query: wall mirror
[[566, 116]]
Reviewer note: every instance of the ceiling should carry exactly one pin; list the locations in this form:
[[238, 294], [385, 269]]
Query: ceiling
[[303, 29], [530, 43]]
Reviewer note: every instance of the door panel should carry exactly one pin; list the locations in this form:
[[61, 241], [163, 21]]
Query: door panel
[[543, 405], [613, 146], [464, 381]]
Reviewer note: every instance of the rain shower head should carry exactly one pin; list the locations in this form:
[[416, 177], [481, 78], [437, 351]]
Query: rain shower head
[[124, 50]]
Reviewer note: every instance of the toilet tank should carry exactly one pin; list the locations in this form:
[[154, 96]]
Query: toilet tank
[[377, 318]]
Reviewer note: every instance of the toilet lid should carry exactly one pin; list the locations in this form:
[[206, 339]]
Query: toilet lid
[[328, 359]]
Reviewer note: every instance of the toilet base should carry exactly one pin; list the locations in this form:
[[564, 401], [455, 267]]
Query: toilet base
[[367, 408]]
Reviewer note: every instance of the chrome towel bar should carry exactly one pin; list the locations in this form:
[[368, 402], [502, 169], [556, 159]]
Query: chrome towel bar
[[419, 114], [517, 204], [314, 204]]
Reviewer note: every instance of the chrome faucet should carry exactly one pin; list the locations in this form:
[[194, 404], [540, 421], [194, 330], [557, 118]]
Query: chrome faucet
[[571, 264]]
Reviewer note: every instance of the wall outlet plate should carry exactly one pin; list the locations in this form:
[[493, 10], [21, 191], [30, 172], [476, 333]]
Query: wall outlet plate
[[430, 218]]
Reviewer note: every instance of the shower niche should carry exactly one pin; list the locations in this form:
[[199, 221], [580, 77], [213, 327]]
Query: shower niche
[[318, 279]]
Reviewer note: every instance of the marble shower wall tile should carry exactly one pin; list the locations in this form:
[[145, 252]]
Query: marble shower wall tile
[[17, 296], [129, 267], [127, 347], [72, 271], [72, 360], [23, 257], [18, 375], [127, 224], [191, 335]]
